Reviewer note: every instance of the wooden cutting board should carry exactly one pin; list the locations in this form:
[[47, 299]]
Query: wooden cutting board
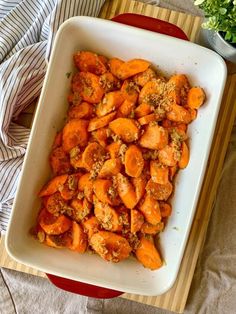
[[175, 299]]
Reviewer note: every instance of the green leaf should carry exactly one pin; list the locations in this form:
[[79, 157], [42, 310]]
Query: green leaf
[[228, 36], [223, 11], [198, 2]]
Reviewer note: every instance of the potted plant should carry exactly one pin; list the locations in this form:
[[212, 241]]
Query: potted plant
[[219, 28]]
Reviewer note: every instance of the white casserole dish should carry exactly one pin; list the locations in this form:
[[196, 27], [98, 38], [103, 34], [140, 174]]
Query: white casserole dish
[[204, 68]]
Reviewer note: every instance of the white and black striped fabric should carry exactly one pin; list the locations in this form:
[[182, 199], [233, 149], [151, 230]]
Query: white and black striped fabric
[[27, 30]]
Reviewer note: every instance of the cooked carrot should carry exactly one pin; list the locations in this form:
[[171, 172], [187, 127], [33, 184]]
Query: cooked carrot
[[74, 133], [69, 189], [139, 184], [148, 118], [167, 156], [92, 154], [85, 185], [150, 92], [59, 161], [115, 64], [59, 241], [134, 161], [148, 228], [155, 137], [81, 208], [104, 60], [166, 123], [159, 191], [132, 67], [53, 224], [125, 128], [126, 191], [101, 189], [125, 109], [142, 110], [129, 91], [53, 185], [109, 82], [83, 110], [97, 123], [54, 203], [172, 172], [100, 135], [57, 140], [87, 61], [76, 158], [159, 173], [110, 102], [79, 238], [107, 216], [142, 78], [193, 113], [136, 220], [151, 210], [91, 226], [184, 159], [111, 167], [74, 99], [179, 81], [110, 246], [114, 149], [148, 255], [196, 97], [88, 87], [179, 114], [166, 209]]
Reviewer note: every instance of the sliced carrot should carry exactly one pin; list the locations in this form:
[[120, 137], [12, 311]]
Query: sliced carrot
[[69, 189], [142, 78], [148, 228], [91, 226], [180, 114], [134, 161], [136, 220], [139, 184], [129, 90], [53, 185], [59, 161], [79, 238], [92, 154], [151, 210], [142, 110], [111, 167], [114, 149], [76, 158], [167, 156], [115, 64], [74, 99], [103, 190], [97, 123], [126, 191], [110, 246], [100, 135], [125, 128], [159, 191], [110, 102], [109, 82], [132, 67], [184, 159], [85, 185], [166, 209], [82, 208], [107, 216], [59, 241], [196, 97], [193, 113], [53, 224], [88, 87], [155, 137], [148, 255], [179, 80], [83, 110], [151, 91], [172, 172], [147, 119], [166, 123], [54, 203], [159, 173], [57, 141], [74, 133], [87, 61], [125, 109]]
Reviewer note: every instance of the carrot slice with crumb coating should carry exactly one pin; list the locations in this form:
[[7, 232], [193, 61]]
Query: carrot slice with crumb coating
[[151, 210], [136, 220], [97, 123], [79, 238], [126, 191], [148, 228], [74, 133], [132, 67], [115, 64], [159, 191], [184, 159], [155, 137], [110, 102], [87, 61], [125, 128], [53, 224], [53, 185], [91, 226], [134, 161]]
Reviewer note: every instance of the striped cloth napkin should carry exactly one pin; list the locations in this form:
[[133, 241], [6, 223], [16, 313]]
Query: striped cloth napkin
[[27, 31]]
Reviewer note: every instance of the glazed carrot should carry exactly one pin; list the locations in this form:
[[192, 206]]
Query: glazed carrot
[[69, 189], [125, 109], [180, 114], [115, 64], [79, 238], [74, 98], [134, 161], [132, 67], [53, 185], [151, 91], [59, 161], [111, 167], [82, 208], [88, 87], [142, 78], [76, 158], [184, 159], [100, 135], [97, 123], [74, 133], [85, 185], [151, 210], [83, 110], [136, 220], [114, 149], [54, 203], [110, 246], [109, 82], [53, 224], [110, 102], [148, 255], [167, 156], [148, 228], [107, 217], [91, 226], [129, 91], [159, 173], [159, 191], [172, 171], [58, 241], [196, 97], [166, 209], [92, 154], [104, 60], [179, 81], [139, 184], [125, 128], [148, 118], [102, 189], [87, 61], [155, 137], [193, 113], [142, 110], [57, 140], [126, 191]]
